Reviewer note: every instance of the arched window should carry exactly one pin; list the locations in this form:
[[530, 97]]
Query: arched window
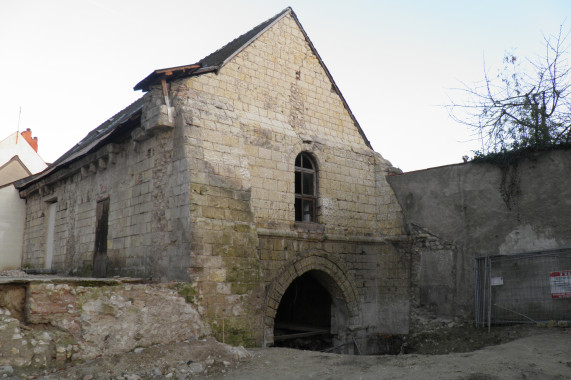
[[305, 188]]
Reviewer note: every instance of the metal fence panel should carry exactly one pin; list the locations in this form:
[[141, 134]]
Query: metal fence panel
[[523, 288]]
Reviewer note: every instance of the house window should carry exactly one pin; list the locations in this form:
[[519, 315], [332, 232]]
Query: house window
[[305, 188]]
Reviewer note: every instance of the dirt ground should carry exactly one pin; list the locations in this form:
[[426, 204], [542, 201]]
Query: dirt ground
[[457, 352]]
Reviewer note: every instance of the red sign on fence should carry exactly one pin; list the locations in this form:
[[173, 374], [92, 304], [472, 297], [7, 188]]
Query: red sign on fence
[[560, 284]]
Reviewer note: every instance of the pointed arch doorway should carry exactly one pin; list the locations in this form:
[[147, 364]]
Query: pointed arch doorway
[[303, 318], [311, 305]]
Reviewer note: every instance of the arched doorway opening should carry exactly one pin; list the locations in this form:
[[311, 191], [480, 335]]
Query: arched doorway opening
[[310, 313]]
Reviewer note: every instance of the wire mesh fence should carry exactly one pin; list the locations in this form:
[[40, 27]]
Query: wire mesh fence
[[524, 288]]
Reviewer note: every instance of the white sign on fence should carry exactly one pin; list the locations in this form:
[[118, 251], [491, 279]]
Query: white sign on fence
[[560, 284]]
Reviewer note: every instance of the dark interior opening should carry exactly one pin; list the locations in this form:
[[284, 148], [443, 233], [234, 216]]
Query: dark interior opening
[[303, 319]]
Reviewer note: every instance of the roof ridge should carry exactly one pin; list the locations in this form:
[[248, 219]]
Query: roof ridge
[[219, 57], [215, 60]]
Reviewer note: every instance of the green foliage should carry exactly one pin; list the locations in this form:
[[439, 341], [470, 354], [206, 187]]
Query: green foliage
[[508, 161], [505, 158], [237, 331], [187, 291]]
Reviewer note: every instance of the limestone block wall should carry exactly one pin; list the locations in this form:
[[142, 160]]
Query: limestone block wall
[[271, 102], [375, 272], [243, 128], [146, 182]]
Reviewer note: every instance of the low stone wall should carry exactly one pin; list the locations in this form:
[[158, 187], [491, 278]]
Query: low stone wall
[[75, 320]]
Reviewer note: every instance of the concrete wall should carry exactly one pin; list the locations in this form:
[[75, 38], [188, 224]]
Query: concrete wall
[[12, 208], [12, 216], [459, 212]]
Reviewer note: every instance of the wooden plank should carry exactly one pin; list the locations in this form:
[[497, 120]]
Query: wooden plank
[[294, 327], [300, 335], [170, 70]]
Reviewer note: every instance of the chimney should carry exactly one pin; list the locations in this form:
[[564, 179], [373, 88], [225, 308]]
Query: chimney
[[33, 141]]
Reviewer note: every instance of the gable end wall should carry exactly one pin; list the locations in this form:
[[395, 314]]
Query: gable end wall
[[243, 127]]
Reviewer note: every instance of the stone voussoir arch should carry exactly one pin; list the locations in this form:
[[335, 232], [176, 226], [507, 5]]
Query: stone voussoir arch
[[343, 286]]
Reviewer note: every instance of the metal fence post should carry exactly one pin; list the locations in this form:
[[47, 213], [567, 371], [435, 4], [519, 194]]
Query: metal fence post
[[489, 293]]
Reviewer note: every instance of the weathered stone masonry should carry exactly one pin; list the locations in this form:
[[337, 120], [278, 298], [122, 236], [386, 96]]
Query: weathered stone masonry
[[49, 322], [204, 192]]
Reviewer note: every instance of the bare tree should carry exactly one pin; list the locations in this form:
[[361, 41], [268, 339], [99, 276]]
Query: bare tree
[[521, 108]]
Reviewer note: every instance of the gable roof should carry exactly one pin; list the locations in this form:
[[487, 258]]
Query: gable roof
[[220, 57], [228, 51], [210, 63]]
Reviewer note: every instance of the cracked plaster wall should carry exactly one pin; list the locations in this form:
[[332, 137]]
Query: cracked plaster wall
[[463, 211]]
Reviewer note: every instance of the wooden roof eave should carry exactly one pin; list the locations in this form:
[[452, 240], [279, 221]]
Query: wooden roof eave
[[169, 74]]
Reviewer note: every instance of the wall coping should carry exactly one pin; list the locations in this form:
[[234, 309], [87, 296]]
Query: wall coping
[[332, 237]]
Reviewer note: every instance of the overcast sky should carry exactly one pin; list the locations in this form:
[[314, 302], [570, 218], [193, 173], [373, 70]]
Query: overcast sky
[[72, 64]]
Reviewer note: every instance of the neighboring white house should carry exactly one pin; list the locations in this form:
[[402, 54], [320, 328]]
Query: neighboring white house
[[18, 159]]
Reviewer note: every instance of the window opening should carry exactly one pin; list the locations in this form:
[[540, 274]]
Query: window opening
[[52, 209], [305, 189], [101, 229]]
